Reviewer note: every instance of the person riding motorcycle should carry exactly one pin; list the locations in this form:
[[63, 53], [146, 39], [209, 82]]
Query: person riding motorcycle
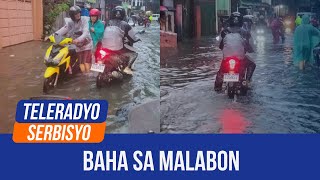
[[282, 29], [96, 27], [248, 19], [276, 29], [82, 40], [261, 22], [115, 34], [235, 42]]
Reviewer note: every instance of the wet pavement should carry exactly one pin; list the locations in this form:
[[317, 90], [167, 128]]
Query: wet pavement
[[282, 100], [26, 71]]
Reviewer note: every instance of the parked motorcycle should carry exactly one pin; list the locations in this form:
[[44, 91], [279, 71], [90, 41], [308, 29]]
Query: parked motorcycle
[[60, 59]]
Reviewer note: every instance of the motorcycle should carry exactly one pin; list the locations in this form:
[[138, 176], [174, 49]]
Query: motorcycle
[[106, 65], [234, 77], [276, 36], [110, 64], [140, 21], [60, 59]]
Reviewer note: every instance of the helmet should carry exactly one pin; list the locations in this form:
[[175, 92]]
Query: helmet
[[236, 19], [94, 12], [73, 11], [118, 13]]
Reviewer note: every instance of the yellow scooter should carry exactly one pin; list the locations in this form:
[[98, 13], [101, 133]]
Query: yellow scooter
[[60, 59]]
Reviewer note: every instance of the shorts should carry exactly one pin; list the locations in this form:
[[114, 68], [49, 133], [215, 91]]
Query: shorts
[[85, 56]]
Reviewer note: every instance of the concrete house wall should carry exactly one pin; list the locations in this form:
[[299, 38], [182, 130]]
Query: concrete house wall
[[20, 21]]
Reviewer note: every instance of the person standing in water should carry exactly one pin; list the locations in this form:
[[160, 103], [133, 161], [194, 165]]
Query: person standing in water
[[305, 36]]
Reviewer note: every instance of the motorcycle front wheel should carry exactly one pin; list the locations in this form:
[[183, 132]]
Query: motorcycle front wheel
[[48, 83]]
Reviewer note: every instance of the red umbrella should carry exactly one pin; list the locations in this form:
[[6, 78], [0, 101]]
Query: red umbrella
[[163, 8]]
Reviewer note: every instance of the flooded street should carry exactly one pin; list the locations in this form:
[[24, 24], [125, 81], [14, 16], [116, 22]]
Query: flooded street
[[282, 100], [26, 68]]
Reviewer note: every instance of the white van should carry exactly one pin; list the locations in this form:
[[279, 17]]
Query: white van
[[155, 17]]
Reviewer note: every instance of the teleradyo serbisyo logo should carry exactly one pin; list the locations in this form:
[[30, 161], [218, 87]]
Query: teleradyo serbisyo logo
[[60, 121]]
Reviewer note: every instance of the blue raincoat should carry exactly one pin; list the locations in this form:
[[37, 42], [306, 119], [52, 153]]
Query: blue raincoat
[[306, 37]]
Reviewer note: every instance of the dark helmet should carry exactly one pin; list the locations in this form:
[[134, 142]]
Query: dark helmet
[[236, 20], [73, 11], [118, 13]]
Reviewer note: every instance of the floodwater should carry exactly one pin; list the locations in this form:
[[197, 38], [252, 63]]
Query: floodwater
[[282, 100], [25, 68]]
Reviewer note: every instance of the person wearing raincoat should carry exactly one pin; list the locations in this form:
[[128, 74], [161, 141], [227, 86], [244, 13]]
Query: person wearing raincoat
[[96, 27], [306, 37], [276, 29]]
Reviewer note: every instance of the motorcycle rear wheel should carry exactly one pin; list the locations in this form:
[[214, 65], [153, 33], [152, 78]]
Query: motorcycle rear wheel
[[231, 92], [99, 81]]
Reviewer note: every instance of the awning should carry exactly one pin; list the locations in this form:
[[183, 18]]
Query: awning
[[251, 3], [163, 8]]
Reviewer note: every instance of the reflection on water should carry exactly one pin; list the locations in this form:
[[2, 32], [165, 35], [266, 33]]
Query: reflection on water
[[233, 122], [282, 99]]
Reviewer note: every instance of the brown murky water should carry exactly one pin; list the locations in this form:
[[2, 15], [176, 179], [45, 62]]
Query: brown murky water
[[21, 77]]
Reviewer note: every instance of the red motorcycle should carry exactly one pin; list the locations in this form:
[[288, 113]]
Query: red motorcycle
[[234, 77]]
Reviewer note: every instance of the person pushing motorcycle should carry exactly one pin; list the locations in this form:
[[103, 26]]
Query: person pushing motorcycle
[[82, 40], [235, 42], [115, 34]]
